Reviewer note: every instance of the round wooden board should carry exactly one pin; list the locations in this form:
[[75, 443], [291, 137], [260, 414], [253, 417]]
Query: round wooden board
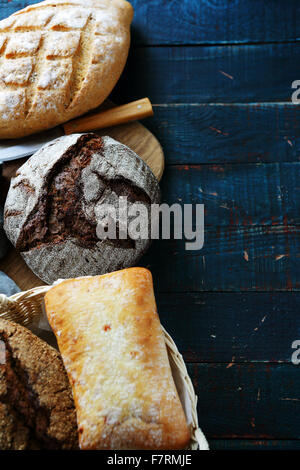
[[136, 136]]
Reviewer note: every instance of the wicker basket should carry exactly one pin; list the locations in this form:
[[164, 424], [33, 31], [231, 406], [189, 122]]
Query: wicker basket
[[26, 308]]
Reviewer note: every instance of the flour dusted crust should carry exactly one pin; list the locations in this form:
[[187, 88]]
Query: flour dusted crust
[[109, 170], [112, 344], [58, 60]]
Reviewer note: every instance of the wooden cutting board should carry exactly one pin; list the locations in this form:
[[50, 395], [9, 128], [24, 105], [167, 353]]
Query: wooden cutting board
[[135, 135]]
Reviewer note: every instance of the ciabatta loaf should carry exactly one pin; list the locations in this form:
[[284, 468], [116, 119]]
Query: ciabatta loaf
[[58, 60], [112, 345]]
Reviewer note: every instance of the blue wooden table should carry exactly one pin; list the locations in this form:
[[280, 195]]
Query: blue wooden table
[[219, 73]]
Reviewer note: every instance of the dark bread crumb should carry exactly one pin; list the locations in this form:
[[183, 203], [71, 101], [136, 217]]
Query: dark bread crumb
[[36, 404]]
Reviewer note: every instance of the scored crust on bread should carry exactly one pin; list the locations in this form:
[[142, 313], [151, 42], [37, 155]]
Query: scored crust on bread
[[112, 345], [36, 404], [58, 60]]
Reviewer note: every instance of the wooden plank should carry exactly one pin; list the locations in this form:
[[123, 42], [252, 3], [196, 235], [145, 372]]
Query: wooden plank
[[252, 229], [253, 444], [201, 22], [254, 401], [207, 73], [232, 259], [237, 194], [197, 22], [218, 133], [210, 74], [226, 327]]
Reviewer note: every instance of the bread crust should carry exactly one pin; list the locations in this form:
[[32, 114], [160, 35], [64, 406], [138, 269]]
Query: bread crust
[[59, 60], [36, 404], [111, 341], [67, 255]]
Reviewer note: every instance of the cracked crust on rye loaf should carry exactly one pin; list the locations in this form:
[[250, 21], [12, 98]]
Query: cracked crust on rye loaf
[[53, 206]]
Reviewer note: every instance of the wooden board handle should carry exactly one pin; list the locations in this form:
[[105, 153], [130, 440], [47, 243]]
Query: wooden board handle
[[112, 117]]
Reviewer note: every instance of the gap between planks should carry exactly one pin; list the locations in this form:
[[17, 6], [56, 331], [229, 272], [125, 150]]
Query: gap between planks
[[246, 105]]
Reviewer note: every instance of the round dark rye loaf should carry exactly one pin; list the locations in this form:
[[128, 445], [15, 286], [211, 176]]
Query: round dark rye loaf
[[36, 404], [52, 206]]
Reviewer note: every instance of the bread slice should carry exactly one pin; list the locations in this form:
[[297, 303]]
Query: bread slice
[[36, 404], [58, 60], [112, 345]]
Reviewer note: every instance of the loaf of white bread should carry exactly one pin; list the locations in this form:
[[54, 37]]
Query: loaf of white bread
[[58, 60], [112, 344]]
